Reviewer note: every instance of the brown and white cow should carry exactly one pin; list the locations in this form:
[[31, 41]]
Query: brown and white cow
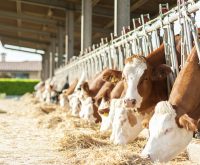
[[39, 88], [174, 121], [74, 101], [89, 91], [49, 90], [108, 105], [63, 98], [145, 85]]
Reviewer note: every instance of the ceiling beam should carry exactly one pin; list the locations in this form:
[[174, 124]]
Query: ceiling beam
[[28, 18], [26, 51], [27, 45], [25, 39], [95, 29], [111, 23], [19, 22], [63, 5], [55, 4], [20, 29], [48, 34], [138, 4]]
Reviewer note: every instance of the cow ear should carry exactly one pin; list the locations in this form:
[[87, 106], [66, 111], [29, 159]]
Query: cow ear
[[85, 87], [112, 77], [127, 60], [188, 123], [145, 123], [160, 72]]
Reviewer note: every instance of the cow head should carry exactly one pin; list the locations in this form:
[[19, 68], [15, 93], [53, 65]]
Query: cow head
[[138, 77], [89, 111], [112, 76], [64, 101], [103, 110], [88, 106], [126, 126], [169, 133], [74, 103]]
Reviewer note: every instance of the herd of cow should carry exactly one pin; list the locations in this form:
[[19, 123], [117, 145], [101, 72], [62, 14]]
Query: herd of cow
[[128, 101]]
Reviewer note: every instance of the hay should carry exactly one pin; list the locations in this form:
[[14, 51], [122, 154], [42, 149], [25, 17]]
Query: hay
[[81, 142], [48, 108], [86, 149], [2, 111]]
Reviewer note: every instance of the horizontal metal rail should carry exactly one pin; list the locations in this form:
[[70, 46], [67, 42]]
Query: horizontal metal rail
[[112, 54]]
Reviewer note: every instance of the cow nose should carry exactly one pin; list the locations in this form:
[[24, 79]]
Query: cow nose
[[129, 103], [101, 111], [145, 156]]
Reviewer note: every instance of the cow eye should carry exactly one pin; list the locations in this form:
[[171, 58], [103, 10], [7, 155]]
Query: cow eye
[[167, 130]]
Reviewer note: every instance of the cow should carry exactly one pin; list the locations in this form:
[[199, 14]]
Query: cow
[[63, 98], [46, 95], [89, 103], [108, 103], [73, 97], [174, 121], [39, 88], [145, 85]]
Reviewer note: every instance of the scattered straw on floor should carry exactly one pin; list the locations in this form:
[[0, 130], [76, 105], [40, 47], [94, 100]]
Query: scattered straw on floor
[[2, 111], [82, 143]]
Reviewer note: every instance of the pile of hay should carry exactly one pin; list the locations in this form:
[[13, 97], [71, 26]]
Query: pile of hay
[[82, 143]]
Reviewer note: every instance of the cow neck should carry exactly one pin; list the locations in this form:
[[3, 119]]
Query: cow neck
[[104, 91], [96, 85], [185, 93], [96, 114], [158, 93], [72, 87], [156, 57], [117, 90]]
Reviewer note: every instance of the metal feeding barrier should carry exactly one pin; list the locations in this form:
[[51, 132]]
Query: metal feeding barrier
[[146, 36]]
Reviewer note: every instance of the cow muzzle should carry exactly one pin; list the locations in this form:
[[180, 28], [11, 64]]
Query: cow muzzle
[[129, 103], [104, 112]]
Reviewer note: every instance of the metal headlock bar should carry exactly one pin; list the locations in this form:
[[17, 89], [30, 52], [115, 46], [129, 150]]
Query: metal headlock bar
[[144, 38]]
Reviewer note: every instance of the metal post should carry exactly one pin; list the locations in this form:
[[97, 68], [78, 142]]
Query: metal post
[[86, 24], [52, 58], [121, 15], [60, 46], [69, 38]]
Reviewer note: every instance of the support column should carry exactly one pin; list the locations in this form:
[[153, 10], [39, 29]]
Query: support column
[[121, 15], [43, 68], [69, 38], [52, 58], [45, 65], [60, 46], [86, 24]]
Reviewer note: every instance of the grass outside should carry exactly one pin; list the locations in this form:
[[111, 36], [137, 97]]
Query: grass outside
[[16, 86]]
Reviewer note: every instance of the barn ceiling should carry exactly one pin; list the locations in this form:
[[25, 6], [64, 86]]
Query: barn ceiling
[[34, 23]]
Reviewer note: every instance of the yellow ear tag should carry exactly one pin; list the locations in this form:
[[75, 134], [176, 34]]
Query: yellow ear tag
[[105, 114], [114, 79]]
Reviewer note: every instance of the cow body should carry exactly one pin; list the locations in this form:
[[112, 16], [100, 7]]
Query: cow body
[[63, 98], [174, 121], [91, 93], [108, 106], [145, 85]]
